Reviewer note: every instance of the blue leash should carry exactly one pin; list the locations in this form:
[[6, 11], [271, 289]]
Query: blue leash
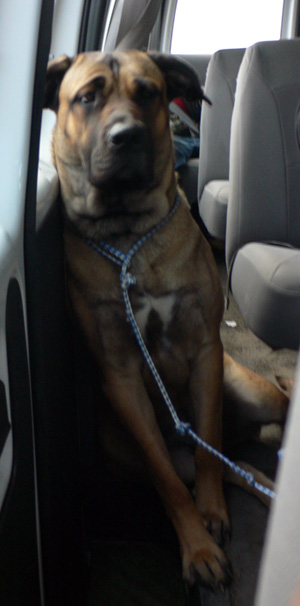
[[127, 279]]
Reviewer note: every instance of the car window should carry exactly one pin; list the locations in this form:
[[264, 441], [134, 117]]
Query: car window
[[217, 24], [64, 41]]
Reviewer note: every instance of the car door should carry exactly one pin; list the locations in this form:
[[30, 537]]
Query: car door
[[41, 544], [23, 44]]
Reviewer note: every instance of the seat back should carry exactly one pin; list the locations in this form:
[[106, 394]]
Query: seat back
[[264, 196], [220, 86]]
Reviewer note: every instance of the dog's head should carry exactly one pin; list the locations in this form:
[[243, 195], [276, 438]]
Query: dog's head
[[112, 132]]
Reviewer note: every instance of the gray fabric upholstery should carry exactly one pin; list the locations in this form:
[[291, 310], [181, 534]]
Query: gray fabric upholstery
[[266, 285], [265, 153], [220, 86], [214, 201], [264, 198]]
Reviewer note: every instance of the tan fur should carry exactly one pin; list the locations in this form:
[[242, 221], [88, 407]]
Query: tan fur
[[182, 332]]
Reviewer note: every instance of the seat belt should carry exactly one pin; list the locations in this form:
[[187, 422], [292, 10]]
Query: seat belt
[[121, 34], [114, 27], [137, 36], [184, 117]]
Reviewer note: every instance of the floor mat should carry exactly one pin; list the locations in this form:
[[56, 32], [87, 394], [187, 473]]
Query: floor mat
[[248, 526], [137, 561], [135, 574]]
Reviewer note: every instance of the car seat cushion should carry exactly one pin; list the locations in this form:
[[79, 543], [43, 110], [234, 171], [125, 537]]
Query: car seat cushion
[[213, 207], [265, 283]]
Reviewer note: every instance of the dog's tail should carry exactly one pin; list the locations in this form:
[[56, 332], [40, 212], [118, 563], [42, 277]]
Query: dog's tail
[[251, 401], [253, 396], [233, 478]]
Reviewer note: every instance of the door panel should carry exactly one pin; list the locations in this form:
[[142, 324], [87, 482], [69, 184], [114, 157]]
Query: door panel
[[52, 377], [18, 528], [20, 561]]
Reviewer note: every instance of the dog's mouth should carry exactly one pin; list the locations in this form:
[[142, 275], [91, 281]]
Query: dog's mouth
[[123, 159], [127, 170]]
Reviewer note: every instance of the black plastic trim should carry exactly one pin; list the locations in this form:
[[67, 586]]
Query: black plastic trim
[[92, 26], [4, 422], [20, 583], [54, 407]]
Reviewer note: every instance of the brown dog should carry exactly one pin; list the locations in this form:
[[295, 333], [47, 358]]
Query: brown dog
[[113, 152]]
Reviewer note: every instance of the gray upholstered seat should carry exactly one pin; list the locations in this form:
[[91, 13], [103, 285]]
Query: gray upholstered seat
[[266, 285], [264, 198], [220, 86]]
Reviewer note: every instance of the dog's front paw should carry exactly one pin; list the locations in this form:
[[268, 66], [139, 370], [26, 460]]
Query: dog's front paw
[[207, 566], [203, 560], [214, 513]]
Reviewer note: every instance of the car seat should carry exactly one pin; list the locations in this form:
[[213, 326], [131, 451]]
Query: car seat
[[213, 184], [263, 219]]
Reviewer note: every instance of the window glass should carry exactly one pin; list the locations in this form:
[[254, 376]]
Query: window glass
[[203, 27]]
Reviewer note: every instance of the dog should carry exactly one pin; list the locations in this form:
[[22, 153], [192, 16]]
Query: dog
[[113, 152]]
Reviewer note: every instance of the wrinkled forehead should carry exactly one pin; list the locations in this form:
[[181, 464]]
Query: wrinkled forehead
[[118, 67]]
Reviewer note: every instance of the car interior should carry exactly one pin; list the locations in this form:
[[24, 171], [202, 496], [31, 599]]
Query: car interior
[[70, 532], [213, 170]]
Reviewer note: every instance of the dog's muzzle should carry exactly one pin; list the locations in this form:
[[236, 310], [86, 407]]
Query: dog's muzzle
[[126, 134], [122, 155]]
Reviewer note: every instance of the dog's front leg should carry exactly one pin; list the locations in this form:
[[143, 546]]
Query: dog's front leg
[[202, 558], [206, 394]]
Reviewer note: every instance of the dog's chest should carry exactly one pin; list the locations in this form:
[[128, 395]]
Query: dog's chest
[[154, 312], [158, 320]]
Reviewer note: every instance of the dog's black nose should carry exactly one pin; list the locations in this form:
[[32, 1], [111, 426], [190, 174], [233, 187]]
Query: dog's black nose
[[122, 134]]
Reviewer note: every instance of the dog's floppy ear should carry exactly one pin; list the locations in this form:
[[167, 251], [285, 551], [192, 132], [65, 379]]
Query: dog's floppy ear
[[55, 72], [181, 79]]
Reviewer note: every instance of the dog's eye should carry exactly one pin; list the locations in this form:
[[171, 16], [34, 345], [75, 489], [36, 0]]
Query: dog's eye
[[146, 92], [87, 98]]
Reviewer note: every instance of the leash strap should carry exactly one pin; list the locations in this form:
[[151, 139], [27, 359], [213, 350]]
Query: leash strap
[[127, 279]]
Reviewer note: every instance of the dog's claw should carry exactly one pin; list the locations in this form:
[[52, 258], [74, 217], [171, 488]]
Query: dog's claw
[[210, 570], [225, 533], [223, 588], [228, 572], [219, 530], [210, 582], [192, 575]]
